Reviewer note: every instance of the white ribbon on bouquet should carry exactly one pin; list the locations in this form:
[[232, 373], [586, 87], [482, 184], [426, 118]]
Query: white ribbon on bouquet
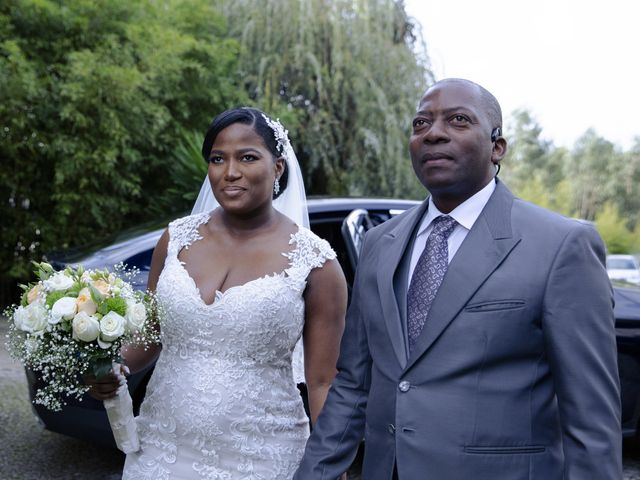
[[120, 413]]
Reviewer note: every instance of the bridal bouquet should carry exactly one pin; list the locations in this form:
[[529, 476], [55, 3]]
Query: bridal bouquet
[[73, 323]]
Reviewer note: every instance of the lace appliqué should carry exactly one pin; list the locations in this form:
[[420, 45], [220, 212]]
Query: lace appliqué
[[311, 252], [222, 403]]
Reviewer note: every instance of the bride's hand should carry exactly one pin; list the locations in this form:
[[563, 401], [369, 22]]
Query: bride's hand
[[106, 387]]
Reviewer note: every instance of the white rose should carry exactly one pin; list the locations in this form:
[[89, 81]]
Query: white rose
[[58, 281], [32, 318], [85, 327], [85, 303], [136, 315], [64, 308], [112, 326]]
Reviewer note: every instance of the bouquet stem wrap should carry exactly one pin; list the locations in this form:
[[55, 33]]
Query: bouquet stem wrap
[[120, 413]]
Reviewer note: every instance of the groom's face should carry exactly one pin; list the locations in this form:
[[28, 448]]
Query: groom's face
[[451, 145]]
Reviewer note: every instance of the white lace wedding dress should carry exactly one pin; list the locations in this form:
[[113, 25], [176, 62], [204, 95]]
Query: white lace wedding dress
[[222, 402]]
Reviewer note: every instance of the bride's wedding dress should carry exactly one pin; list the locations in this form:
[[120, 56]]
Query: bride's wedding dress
[[222, 402]]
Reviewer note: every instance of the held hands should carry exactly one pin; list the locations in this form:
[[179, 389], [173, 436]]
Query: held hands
[[108, 386]]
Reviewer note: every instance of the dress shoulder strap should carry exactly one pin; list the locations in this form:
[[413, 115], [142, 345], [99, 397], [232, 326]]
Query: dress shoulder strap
[[184, 231], [310, 250]]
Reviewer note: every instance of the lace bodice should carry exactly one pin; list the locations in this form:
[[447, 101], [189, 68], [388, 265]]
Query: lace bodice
[[222, 402]]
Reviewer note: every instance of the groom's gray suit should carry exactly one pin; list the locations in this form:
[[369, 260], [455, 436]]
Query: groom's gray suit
[[514, 375]]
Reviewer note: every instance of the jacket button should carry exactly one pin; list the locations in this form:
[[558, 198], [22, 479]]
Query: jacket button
[[391, 428], [404, 386]]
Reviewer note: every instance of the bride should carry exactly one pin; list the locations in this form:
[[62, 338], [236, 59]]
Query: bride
[[241, 280]]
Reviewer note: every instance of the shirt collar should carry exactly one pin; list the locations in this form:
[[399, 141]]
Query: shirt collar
[[465, 214]]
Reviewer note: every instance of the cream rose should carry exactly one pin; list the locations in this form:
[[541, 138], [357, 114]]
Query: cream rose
[[64, 308], [85, 303], [34, 293], [58, 281], [112, 326], [85, 327], [102, 286], [32, 318], [135, 316]]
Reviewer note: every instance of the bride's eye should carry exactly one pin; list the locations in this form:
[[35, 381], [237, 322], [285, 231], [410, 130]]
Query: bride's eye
[[215, 159]]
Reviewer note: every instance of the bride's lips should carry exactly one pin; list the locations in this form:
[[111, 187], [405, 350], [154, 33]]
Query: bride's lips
[[233, 190]]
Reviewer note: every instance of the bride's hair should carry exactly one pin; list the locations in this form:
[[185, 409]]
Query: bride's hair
[[255, 119]]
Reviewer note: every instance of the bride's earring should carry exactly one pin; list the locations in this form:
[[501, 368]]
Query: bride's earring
[[276, 187]]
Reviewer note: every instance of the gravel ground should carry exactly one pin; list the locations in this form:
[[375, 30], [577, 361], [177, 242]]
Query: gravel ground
[[32, 453]]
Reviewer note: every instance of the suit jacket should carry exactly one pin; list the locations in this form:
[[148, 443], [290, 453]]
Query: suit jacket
[[514, 375]]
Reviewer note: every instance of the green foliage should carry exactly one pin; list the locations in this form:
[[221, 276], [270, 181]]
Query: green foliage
[[53, 297], [593, 181], [93, 98], [344, 77], [187, 170], [538, 192], [616, 236], [113, 304], [593, 167]]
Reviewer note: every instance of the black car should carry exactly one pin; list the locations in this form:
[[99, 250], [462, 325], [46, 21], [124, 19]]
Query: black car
[[342, 222], [87, 419]]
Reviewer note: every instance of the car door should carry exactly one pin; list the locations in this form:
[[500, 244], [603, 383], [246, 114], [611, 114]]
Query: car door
[[354, 226]]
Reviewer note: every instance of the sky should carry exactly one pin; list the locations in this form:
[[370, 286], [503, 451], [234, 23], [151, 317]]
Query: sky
[[573, 63]]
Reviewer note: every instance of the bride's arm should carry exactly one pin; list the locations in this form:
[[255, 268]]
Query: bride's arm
[[325, 306], [135, 357]]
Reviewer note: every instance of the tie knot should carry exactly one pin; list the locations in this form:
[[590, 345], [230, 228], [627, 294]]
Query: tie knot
[[443, 225]]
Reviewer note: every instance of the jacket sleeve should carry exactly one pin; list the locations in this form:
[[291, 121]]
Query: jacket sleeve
[[579, 331], [334, 442]]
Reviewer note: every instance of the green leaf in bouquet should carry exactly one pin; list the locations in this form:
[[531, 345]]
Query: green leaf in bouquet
[[65, 326], [24, 299], [43, 270], [53, 297], [96, 296], [103, 309], [115, 304], [74, 291]]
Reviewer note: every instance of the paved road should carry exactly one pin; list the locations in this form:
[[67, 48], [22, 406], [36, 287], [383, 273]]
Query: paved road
[[31, 453]]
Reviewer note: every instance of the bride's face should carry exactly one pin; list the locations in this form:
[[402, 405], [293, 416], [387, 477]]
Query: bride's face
[[242, 170]]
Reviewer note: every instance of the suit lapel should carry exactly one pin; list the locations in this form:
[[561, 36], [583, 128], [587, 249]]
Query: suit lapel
[[487, 244], [393, 246]]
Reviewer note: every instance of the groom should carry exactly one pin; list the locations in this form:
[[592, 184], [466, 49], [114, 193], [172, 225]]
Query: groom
[[480, 340]]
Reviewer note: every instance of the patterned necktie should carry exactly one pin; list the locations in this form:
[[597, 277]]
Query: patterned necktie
[[427, 276]]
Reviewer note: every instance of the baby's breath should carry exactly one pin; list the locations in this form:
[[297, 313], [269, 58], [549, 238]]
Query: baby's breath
[[47, 341]]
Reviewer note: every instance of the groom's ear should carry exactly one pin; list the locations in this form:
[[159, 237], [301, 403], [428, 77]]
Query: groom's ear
[[499, 150]]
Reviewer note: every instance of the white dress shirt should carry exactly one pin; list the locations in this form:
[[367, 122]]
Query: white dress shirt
[[465, 214]]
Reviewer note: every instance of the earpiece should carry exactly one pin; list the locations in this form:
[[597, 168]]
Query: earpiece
[[495, 133]]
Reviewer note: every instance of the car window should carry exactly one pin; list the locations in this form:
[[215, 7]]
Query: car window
[[141, 261], [620, 264]]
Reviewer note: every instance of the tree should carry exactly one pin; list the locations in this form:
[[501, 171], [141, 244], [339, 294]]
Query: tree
[[94, 97], [626, 190], [594, 169], [616, 236], [344, 76], [528, 153]]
